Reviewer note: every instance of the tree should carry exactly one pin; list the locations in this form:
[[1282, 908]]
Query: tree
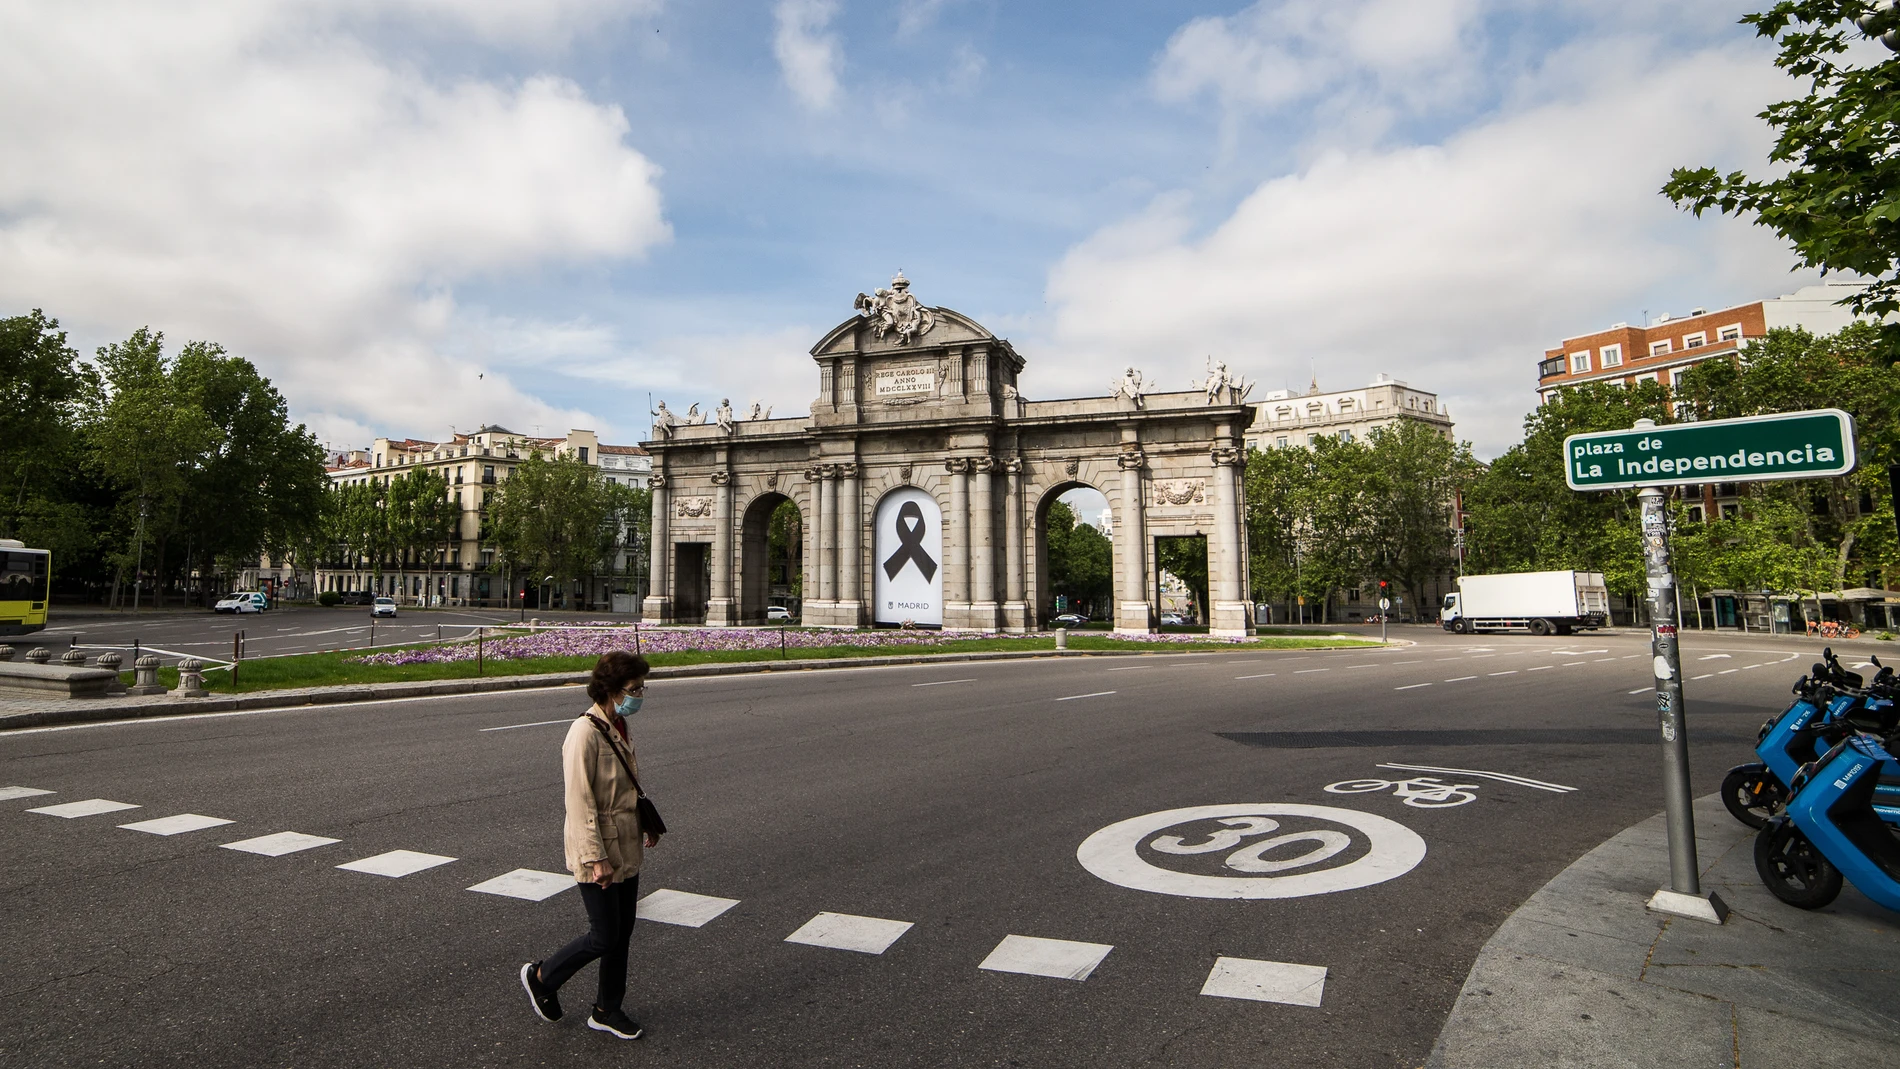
[[1414, 476], [1838, 202], [422, 519], [1080, 560], [553, 517], [47, 498]]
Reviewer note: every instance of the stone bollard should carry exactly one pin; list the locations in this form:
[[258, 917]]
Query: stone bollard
[[73, 659], [191, 679], [6, 653], [1062, 638], [146, 679], [110, 662], [39, 655]]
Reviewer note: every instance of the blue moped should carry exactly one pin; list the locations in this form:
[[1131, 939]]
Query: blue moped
[[1830, 703], [1829, 829]]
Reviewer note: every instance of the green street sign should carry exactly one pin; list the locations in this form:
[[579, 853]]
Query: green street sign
[[1789, 445]]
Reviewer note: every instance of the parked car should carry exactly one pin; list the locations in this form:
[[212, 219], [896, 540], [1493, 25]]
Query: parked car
[[358, 597], [1070, 619], [242, 601], [383, 607], [1173, 619], [777, 614]]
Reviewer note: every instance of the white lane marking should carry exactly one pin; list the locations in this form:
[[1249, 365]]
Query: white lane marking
[[1097, 694], [536, 724], [1728, 671], [1602, 660], [683, 908], [1746, 667], [529, 885], [1573, 664], [1032, 956], [1460, 679], [1362, 666], [1407, 662], [8, 794], [843, 931], [177, 825], [1865, 664], [396, 863], [1303, 671], [89, 807], [947, 682], [1482, 657], [1130, 668], [1414, 686], [1266, 981], [1711, 657], [1262, 675], [1631, 656], [1512, 672], [1502, 777], [280, 843], [1706, 675], [1640, 690], [1442, 660], [1541, 668]]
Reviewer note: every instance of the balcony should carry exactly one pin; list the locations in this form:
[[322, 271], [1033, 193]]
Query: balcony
[[1554, 366]]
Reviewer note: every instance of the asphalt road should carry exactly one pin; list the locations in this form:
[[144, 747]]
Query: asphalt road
[[950, 797], [276, 632]]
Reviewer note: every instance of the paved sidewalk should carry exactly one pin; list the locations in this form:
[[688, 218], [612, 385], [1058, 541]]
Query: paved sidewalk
[[1582, 975]]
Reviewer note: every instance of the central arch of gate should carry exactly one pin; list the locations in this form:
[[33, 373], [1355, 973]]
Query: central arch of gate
[[920, 477]]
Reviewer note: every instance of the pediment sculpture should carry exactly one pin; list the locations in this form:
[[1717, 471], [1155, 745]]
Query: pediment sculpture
[[895, 310]]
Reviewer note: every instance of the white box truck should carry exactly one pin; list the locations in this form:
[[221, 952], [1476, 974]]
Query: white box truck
[[1538, 602]]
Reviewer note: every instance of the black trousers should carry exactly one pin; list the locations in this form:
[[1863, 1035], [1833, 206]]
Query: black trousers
[[609, 930]]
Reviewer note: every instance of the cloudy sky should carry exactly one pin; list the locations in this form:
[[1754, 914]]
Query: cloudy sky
[[424, 215]]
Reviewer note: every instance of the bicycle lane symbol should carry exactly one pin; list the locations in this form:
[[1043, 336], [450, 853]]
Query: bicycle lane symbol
[[1422, 792], [1268, 866]]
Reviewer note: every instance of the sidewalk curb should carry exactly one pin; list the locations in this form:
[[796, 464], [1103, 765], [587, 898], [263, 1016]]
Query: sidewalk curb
[[361, 692]]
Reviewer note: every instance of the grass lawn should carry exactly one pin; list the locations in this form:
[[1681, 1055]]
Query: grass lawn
[[339, 667]]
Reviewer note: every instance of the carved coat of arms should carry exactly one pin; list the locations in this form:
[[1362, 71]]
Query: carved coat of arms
[[694, 507], [1180, 491], [895, 310]]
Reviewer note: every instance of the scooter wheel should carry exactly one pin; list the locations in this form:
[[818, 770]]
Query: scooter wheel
[[1793, 868], [1751, 793]]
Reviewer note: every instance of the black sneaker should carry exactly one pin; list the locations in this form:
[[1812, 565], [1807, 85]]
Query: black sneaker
[[616, 1023], [546, 1005]]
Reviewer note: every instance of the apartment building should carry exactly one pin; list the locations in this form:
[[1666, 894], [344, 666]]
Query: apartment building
[[1284, 418], [473, 465], [1669, 345]]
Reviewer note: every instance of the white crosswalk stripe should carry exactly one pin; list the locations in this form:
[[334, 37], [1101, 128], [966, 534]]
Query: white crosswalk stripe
[[1063, 959], [280, 843], [177, 825], [528, 885], [8, 794], [1266, 981], [91, 807], [396, 863], [683, 908], [843, 931]]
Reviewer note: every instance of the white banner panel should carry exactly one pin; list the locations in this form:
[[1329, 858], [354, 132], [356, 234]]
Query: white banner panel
[[909, 558]]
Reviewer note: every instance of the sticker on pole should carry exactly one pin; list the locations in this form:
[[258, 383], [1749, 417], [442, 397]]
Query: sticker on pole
[[1252, 850]]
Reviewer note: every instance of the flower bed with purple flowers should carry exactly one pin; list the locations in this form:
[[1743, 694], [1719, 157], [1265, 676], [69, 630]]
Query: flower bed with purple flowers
[[592, 642]]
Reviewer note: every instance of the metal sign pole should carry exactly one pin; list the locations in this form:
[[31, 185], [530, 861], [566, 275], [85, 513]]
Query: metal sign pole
[[1684, 896]]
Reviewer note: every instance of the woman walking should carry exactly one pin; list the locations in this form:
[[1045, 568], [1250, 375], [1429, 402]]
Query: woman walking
[[604, 842]]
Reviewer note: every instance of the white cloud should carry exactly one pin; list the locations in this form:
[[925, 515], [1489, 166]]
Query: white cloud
[[808, 57], [1281, 51], [1452, 265], [255, 174]]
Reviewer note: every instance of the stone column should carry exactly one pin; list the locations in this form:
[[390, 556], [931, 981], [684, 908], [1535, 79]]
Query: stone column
[[814, 540], [658, 606], [1231, 614], [1135, 614], [1015, 609], [956, 546], [828, 537], [722, 609], [850, 548], [983, 607]]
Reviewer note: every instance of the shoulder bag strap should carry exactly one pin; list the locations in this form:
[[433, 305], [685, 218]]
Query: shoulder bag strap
[[606, 733]]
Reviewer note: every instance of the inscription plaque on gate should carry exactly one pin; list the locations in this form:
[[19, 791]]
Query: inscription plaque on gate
[[905, 381]]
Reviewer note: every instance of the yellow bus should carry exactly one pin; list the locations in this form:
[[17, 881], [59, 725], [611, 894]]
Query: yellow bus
[[25, 582]]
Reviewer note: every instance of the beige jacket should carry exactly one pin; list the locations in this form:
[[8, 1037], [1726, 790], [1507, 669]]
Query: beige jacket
[[601, 819]]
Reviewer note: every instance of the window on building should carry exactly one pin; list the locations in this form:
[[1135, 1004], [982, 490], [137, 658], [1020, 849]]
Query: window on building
[[1283, 412], [1345, 435], [1345, 404], [583, 451], [1280, 442], [488, 473], [1579, 362], [1676, 375], [1611, 355], [1733, 332], [1545, 368], [1651, 377], [1659, 348], [1695, 513], [1696, 340], [1428, 405], [1411, 402]]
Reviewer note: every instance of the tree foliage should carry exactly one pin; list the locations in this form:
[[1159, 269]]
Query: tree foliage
[[559, 517], [1837, 201], [1080, 561]]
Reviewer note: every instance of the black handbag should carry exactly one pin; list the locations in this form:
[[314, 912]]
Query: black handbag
[[643, 807]]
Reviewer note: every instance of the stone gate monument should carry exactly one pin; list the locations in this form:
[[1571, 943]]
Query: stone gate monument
[[923, 476]]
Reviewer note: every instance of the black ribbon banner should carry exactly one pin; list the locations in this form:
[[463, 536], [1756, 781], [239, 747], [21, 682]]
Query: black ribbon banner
[[910, 543]]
